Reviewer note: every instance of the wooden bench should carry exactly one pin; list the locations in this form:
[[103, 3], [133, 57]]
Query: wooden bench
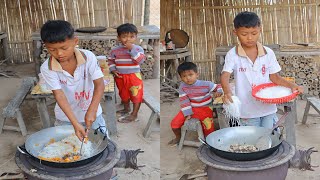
[[13, 108], [315, 103], [154, 105]]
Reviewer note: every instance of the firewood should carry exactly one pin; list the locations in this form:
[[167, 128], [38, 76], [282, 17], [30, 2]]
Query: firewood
[[302, 159]]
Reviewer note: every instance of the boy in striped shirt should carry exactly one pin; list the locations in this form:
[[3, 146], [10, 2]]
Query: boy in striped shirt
[[195, 101], [124, 63]]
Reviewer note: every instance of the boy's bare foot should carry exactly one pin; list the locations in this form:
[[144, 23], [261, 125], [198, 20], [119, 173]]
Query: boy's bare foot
[[128, 119], [122, 112], [173, 142], [114, 175]]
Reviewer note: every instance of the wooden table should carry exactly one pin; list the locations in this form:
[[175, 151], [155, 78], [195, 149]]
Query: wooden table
[[109, 94], [289, 123]]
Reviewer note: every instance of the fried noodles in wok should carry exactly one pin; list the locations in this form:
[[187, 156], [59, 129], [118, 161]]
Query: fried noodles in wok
[[66, 150]]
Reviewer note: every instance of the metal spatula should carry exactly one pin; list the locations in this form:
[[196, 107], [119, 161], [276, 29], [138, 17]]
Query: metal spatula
[[265, 141], [82, 141]]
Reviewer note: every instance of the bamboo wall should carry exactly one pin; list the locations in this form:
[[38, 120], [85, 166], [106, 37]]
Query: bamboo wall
[[19, 18], [209, 24]]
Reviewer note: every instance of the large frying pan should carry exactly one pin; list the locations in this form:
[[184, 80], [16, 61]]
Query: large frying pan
[[220, 141], [36, 142]]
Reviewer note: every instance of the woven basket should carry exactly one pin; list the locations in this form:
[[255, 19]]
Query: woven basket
[[179, 37], [281, 100]]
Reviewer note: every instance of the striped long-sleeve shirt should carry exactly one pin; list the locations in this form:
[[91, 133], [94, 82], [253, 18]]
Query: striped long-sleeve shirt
[[196, 95], [126, 61]]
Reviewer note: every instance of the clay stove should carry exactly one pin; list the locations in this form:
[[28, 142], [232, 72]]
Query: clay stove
[[273, 167], [99, 168]]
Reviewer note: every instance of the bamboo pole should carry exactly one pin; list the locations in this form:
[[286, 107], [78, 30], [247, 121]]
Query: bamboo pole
[[93, 13], [136, 9], [302, 22], [146, 17], [7, 19], [88, 12], [317, 21], [64, 10], [128, 12], [53, 11], [99, 13], [107, 14], [78, 15], [312, 27], [42, 10]]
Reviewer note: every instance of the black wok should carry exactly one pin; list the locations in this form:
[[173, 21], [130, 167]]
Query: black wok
[[219, 142], [36, 142]]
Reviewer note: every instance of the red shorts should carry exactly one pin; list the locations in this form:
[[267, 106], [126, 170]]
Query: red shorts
[[204, 114], [130, 87]]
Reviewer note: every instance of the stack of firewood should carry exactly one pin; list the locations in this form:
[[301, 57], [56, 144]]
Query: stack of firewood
[[103, 48], [98, 47], [305, 69], [147, 66], [168, 93]]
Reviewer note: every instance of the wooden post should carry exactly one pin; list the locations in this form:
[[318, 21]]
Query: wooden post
[[111, 114], [43, 112], [289, 125], [2, 121], [175, 74], [306, 112], [156, 56], [294, 111], [154, 105], [6, 49], [37, 46], [219, 67], [183, 135], [146, 17], [147, 130], [21, 123], [188, 58]]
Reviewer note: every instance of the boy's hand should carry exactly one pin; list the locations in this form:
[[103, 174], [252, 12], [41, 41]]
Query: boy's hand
[[227, 98], [128, 45], [188, 117], [217, 94], [80, 131], [89, 118], [116, 74], [297, 88]]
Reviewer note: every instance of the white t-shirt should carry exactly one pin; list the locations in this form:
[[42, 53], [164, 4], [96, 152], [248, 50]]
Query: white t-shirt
[[247, 74], [79, 88]]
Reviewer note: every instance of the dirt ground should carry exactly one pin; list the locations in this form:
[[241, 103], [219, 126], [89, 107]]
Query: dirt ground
[[175, 163], [129, 135]]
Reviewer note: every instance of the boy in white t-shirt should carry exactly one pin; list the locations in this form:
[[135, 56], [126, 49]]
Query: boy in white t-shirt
[[75, 78], [252, 64]]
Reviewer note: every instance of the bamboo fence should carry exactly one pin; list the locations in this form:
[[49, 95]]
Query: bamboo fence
[[209, 24], [19, 18]]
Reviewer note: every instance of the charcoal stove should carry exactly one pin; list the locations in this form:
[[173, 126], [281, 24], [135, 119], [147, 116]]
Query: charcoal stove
[[100, 168], [273, 167]]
